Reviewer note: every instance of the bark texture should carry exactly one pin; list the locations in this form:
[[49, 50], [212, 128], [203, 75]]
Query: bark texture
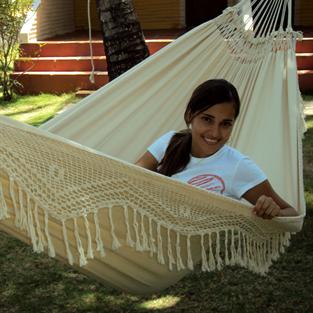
[[123, 39]]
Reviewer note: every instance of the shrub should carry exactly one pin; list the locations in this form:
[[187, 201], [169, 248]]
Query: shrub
[[12, 17]]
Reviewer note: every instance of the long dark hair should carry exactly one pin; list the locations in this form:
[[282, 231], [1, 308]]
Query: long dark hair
[[209, 93]]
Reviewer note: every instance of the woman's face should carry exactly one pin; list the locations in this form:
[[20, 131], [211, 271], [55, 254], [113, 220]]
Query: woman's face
[[211, 129]]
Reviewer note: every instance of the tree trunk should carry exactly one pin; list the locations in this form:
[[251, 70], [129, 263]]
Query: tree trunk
[[123, 39]]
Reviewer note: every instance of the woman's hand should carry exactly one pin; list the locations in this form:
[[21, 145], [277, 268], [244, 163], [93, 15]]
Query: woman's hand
[[267, 203], [266, 207]]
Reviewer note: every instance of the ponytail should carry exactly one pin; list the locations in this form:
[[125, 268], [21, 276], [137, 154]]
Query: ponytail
[[177, 154]]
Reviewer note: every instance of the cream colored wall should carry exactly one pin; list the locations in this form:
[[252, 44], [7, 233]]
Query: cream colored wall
[[28, 32], [54, 18], [152, 14], [160, 14], [304, 13]]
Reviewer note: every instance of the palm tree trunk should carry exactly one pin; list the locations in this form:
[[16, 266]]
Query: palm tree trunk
[[123, 39]]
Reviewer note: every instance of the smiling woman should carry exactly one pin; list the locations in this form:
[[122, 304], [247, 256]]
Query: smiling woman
[[199, 155]]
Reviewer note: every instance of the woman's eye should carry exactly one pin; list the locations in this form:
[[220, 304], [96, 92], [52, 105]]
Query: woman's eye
[[227, 124], [207, 119]]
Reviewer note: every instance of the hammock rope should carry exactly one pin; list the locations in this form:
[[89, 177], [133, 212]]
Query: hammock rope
[[70, 186]]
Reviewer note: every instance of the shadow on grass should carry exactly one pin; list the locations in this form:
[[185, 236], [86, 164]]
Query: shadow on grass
[[36, 283]]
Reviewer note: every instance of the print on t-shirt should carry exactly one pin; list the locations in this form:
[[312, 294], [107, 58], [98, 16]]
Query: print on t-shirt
[[209, 182]]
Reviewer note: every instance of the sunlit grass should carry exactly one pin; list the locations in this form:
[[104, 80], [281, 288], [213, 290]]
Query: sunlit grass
[[35, 110], [159, 303]]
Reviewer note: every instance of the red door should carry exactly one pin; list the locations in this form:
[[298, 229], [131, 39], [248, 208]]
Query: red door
[[200, 11]]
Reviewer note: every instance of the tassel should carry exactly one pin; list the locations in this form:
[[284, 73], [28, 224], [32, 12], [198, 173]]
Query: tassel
[[205, 266], [51, 251], [179, 263], [115, 242], [189, 262], [41, 241], [232, 248], [12, 194], [227, 261], [212, 263], [152, 245], [100, 246], [281, 243], [3, 206], [276, 247], [244, 250], [31, 226], [20, 222], [82, 258], [253, 255], [160, 248], [129, 239], [67, 246], [239, 250], [248, 246], [267, 254], [217, 253], [89, 250], [136, 227], [145, 246], [171, 260]]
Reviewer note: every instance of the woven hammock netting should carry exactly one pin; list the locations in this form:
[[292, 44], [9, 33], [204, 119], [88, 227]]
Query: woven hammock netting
[[70, 187]]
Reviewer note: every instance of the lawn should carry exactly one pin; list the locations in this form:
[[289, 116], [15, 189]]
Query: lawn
[[36, 110], [36, 283]]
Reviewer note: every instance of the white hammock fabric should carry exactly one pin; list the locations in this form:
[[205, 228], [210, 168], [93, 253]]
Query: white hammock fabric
[[70, 187]]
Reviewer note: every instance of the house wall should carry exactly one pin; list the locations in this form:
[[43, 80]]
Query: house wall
[[54, 18], [160, 14], [152, 14], [303, 13], [28, 32], [81, 15]]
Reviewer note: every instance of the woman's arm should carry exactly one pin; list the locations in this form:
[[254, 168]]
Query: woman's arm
[[148, 161], [267, 203]]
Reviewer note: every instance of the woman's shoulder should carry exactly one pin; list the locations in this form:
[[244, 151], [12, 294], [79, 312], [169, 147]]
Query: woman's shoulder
[[244, 162], [165, 138], [158, 147], [234, 153]]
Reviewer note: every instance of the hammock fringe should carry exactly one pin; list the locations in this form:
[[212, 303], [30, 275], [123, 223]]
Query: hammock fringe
[[218, 248]]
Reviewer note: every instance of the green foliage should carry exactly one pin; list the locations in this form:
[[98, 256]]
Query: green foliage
[[12, 17]]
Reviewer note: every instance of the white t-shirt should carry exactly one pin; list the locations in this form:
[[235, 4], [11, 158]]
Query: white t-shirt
[[226, 172]]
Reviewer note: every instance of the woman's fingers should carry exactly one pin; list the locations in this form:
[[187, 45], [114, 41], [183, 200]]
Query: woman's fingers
[[266, 207]]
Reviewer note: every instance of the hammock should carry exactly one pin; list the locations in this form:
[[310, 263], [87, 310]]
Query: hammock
[[70, 187]]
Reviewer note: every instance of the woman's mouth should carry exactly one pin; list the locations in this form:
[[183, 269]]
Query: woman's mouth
[[210, 141]]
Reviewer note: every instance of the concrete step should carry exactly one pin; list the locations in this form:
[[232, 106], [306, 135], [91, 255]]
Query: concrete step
[[83, 93], [305, 61], [305, 46], [62, 64], [58, 82], [77, 48], [305, 80]]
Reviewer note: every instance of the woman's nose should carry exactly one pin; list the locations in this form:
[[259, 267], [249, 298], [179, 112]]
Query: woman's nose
[[215, 131]]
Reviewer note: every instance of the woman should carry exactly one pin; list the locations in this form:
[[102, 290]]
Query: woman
[[199, 155]]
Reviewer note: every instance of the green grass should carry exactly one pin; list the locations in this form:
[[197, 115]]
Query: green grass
[[36, 283], [308, 163], [35, 110]]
